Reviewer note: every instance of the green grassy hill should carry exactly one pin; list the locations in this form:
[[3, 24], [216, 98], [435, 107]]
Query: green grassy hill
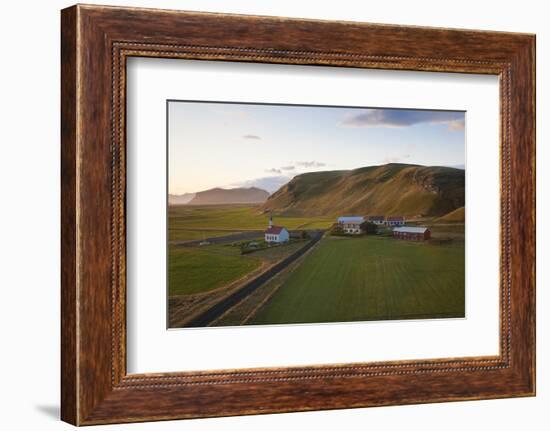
[[397, 189], [456, 216]]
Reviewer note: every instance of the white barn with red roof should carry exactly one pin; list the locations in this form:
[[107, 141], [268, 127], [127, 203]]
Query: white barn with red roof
[[276, 234]]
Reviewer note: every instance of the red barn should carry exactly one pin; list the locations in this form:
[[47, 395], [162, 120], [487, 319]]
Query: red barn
[[412, 233]]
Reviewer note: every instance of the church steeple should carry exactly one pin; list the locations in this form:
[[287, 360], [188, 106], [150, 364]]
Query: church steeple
[[270, 221]]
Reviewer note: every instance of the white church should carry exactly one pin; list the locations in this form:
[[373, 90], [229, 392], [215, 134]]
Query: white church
[[276, 234]]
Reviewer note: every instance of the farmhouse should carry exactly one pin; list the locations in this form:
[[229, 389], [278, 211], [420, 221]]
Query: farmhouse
[[351, 225], [277, 234], [412, 233], [379, 220], [395, 221]]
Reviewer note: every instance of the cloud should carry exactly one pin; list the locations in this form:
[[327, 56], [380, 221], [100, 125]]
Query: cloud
[[270, 184], [312, 164], [280, 170], [403, 118], [396, 159], [252, 137], [456, 126]]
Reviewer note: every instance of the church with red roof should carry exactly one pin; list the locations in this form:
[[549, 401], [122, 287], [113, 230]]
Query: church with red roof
[[276, 234]]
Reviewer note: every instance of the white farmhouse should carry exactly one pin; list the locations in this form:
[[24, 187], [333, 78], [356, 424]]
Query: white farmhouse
[[276, 234], [395, 221], [351, 225]]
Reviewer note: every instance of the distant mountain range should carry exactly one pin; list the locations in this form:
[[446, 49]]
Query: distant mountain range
[[392, 189], [180, 199], [218, 196]]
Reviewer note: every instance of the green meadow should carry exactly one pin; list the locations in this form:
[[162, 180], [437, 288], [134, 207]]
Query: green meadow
[[370, 278], [235, 218], [202, 269], [341, 279], [197, 270]]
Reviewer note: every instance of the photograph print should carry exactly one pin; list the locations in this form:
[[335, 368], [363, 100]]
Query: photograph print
[[298, 214]]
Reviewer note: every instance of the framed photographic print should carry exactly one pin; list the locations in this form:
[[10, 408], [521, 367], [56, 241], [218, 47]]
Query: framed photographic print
[[267, 215], [264, 231]]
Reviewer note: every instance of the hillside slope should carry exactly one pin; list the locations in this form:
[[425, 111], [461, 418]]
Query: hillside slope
[[456, 216], [230, 196], [392, 189]]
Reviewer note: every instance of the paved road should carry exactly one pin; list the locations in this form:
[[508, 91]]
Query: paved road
[[225, 304], [241, 236]]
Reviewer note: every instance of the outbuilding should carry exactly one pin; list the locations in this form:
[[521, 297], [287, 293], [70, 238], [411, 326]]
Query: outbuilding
[[412, 233]]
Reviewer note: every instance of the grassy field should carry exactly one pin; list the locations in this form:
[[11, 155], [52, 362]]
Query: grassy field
[[454, 231], [235, 218], [370, 278], [193, 235], [202, 269], [195, 270], [342, 279]]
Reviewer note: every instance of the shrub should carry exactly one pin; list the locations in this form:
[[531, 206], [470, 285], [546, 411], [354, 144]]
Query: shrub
[[336, 229], [369, 228]]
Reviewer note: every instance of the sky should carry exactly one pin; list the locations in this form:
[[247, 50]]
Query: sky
[[243, 145]]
